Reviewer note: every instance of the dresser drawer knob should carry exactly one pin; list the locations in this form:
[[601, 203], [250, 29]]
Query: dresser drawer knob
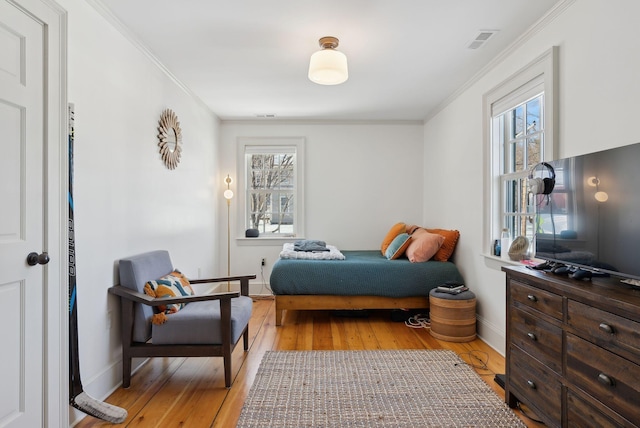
[[531, 384], [605, 380], [532, 298], [532, 336], [606, 328]]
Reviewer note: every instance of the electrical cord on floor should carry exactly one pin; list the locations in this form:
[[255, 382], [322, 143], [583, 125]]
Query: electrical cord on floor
[[418, 321], [264, 282], [481, 357], [527, 415]]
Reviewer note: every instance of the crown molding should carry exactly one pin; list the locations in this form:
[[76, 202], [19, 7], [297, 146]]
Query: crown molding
[[135, 41], [545, 20], [303, 121]]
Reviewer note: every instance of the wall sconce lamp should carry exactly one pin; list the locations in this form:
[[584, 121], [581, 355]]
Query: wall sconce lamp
[[328, 66], [228, 195], [599, 195]]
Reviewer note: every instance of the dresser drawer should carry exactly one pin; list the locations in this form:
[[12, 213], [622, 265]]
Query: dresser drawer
[[605, 376], [535, 385], [580, 413], [605, 328], [540, 300], [538, 338]]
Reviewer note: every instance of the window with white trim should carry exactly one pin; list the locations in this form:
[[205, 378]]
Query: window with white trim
[[272, 178], [520, 131], [520, 117]]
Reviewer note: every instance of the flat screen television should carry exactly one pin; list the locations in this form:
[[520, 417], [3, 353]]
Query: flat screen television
[[591, 218]]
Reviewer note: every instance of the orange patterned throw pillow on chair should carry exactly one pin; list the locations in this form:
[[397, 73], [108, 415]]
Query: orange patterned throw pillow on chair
[[173, 285]]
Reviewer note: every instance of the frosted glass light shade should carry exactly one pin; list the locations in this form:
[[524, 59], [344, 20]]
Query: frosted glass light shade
[[601, 196], [228, 194], [328, 67]]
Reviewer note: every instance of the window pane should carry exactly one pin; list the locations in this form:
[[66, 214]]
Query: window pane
[[523, 199], [518, 156], [510, 192], [519, 213], [516, 197], [533, 115], [256, 161], [257, 180], [258, 212], [533, 151], [518, 122], [520, 225]]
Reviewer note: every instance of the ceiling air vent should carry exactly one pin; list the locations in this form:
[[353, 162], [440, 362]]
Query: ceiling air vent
[[481, 38], [266, 116]]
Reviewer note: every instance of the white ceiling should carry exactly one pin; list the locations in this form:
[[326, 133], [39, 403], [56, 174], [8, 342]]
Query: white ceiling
[[245, 58]]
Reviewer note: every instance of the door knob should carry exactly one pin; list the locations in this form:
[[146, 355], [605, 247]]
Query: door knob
[[37, 259]]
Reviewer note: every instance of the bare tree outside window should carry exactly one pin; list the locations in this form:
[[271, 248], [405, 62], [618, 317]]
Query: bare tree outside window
[[271, 191]]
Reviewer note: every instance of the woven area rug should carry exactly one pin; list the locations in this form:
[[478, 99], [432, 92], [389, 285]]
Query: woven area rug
[[386, 388]]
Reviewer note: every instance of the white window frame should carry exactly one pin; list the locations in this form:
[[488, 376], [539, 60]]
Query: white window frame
[[287, 144], [540, 73]]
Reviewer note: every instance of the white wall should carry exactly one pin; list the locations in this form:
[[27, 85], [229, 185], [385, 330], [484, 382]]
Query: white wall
[[360, 179], [599, 92], [126, 201]]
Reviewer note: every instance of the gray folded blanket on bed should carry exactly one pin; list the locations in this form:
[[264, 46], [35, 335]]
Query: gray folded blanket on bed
[[312, 245]]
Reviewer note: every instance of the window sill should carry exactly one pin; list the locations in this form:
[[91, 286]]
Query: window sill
[[500, 259], [497, 259], [266, 240]]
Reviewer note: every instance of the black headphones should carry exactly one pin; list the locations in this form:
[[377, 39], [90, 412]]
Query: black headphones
[[542, 186]]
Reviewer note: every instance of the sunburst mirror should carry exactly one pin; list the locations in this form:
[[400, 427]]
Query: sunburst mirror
[[169, 138]]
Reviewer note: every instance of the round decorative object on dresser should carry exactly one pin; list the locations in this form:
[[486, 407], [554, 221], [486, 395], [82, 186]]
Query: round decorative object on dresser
[[453, 316]]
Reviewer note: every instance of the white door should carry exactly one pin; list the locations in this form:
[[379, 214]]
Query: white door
[[22, 217]]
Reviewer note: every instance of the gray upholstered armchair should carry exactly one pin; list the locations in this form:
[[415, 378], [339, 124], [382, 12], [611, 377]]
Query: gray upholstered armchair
[[209, 325]]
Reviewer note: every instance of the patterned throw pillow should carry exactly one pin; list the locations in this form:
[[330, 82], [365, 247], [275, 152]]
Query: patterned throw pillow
[[171, 285]]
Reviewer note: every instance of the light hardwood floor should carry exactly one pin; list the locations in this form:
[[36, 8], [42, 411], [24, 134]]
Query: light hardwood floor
[[190, 392]]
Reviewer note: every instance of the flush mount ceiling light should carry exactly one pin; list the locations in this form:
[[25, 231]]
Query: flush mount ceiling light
[[328, 66]]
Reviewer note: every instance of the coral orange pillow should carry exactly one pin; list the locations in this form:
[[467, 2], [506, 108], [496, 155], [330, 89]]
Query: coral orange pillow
[[423, 245], [448, 246], [395, 230]]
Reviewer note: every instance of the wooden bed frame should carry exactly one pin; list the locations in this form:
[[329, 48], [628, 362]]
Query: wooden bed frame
[[333, 302]]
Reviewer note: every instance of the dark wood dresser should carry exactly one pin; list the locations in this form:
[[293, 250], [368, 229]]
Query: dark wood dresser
[[573, 349]]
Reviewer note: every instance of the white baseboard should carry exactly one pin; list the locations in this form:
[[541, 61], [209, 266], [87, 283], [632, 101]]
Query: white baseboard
[[255, 289], [491, 334], [102, 385]]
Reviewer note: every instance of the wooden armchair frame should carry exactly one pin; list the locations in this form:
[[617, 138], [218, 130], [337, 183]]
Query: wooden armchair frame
[[131, 349]]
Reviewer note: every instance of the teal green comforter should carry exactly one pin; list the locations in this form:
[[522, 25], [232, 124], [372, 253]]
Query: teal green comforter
[[362, 273]]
